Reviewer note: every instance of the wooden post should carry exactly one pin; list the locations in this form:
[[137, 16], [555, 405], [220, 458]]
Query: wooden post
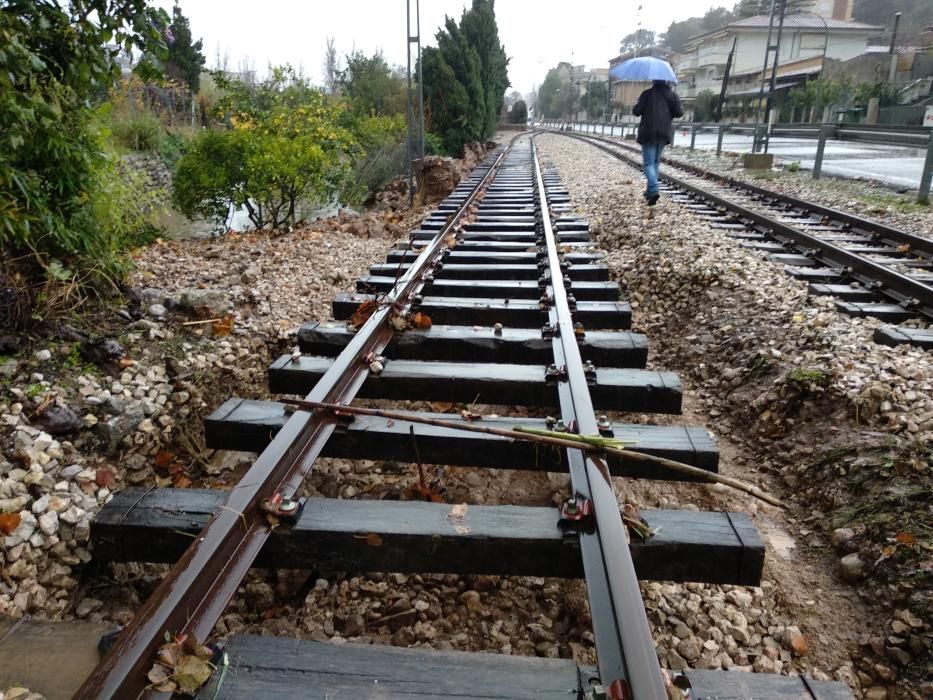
[[820, 148], [722, 131], [923, 197]]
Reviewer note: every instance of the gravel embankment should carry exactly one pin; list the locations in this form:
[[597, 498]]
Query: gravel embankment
[[802, 402], [81, 419]]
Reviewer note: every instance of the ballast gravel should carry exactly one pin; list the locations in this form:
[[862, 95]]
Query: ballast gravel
[[789, 386]]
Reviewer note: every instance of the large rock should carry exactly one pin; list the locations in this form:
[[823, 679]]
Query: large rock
[[113, 430], [206, 303], [58, 420]]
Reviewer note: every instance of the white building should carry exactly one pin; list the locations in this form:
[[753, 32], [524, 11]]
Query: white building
[[808, 39]]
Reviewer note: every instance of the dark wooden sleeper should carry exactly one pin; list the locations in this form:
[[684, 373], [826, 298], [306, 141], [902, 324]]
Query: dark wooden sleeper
[[502, 384], [516, 313], [249, 426], [262, 667], [482, 344], [502, 289], [418, 537]]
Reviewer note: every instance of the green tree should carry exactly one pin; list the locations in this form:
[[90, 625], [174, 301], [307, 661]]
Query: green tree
[[371, 85], [750, 8], [638, 40], [465, 78], [481, 31], [519, 113], [285, 153], [704, 108], [887, 93], [555, 96], [595, 99], [185, 59], [56, 59]]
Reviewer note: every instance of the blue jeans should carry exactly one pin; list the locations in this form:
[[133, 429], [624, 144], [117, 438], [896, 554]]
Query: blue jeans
[[651, 157]]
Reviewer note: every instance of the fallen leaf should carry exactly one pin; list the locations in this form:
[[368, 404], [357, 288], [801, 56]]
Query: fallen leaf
[[191, 672], [442, 406], [181, 481], [104, 478], [168, 654], [362, 313], [9, 522], [158, 674], [423, 493], [191, 645], [163, 459], [223, 326], [373, 540], [421, 320], [905, 538], [126, 362]]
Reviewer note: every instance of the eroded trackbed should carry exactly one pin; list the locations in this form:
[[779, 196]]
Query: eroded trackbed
[[524, 314]]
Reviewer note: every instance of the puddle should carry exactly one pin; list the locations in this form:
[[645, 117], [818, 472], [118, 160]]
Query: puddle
[[176, 225], [781, 541]]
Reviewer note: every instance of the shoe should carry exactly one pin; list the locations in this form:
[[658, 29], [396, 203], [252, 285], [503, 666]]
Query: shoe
[[653, 199]]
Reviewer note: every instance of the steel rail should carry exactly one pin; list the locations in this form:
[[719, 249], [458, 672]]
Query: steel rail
[[904, 290], [879, 230], [193, 595], [627, 659]]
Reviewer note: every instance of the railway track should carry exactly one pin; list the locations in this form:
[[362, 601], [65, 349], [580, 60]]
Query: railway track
[[523, 314], [871, 269]]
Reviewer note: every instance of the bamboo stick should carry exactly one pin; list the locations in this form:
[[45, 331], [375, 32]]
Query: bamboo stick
[[577, 442]]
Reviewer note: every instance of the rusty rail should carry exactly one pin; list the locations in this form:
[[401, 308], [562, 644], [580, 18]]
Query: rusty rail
[[193, 595]]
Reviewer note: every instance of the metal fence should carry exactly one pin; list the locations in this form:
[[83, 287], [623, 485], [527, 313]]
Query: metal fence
[[903, 136]]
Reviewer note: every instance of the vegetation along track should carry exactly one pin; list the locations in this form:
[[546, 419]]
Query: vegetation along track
[[870, 268], [501, 296]]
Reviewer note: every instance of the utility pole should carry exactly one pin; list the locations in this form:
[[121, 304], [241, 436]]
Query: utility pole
[[415, 106], [764, 72], [777, 59], [609, 94], [893, 70], [725, 81]]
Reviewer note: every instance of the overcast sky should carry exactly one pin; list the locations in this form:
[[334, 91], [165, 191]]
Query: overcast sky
[[536, 35]]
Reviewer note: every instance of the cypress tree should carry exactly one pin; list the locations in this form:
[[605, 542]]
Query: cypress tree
[[185, 59], [465, 78]]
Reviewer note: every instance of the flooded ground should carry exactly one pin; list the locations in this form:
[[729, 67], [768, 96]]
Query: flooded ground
[[177, 226]]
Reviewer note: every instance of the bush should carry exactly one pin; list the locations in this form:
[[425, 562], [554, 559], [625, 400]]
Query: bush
[[519, 113], [285, 153], [433, 144], [174, 144], [56, 180], [211, 176], [382, 154], [704, 109], [141, 131]]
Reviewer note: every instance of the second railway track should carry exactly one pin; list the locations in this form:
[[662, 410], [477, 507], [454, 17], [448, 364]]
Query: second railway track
[[870, 268], [523, 314]]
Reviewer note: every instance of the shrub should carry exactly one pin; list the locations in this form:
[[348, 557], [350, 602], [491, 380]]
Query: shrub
[[287, 151], [519, 113], [382, 154], [433, 144], [141, 131], [54, 172], [211, 176]]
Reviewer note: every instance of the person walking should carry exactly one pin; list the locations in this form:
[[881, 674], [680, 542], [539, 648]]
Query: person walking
[[657, 106]]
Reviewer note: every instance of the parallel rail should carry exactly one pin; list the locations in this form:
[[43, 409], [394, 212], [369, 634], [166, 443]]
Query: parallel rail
[[192, 596], [851, 246], [506, 231]]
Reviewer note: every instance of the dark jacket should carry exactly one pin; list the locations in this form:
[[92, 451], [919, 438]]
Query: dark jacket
[[657, 106]]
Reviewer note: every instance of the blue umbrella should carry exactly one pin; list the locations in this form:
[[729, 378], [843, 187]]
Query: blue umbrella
[[644, 68]]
